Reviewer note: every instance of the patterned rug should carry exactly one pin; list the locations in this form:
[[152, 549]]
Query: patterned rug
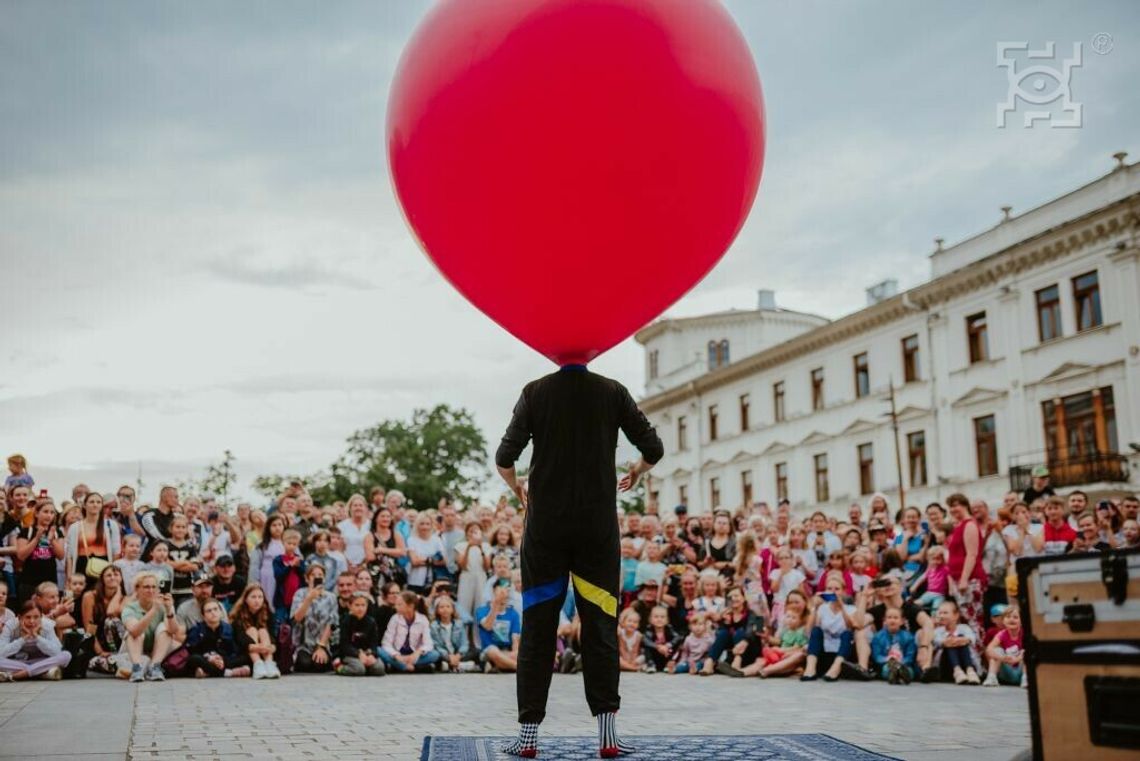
[[808, 747]]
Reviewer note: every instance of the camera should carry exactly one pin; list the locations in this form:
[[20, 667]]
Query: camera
[[164, 586], [881, 583]]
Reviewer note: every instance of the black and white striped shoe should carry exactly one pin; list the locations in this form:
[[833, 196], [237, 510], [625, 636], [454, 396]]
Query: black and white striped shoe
[[609, 744]]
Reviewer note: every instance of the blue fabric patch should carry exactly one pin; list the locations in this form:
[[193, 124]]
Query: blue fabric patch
[[572, 369], [544, 592]]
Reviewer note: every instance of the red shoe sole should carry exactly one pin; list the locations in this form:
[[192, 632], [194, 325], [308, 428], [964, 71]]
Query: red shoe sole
[[608, 752]]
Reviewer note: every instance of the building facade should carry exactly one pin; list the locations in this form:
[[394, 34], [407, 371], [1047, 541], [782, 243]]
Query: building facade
[[1023, 349]]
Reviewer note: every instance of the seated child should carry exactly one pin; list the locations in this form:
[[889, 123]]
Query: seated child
[[213, 650], [1005, 653], [690, 657], [937, 578], [630, 657], [359, 639], [288, 573], [956, 641], [785, 649], [660, 640], [893, 649]]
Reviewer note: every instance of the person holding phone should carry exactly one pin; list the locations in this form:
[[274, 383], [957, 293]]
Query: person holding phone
[[152, 628], [832, 631]]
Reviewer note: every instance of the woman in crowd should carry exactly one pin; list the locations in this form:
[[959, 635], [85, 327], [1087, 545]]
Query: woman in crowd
[[214, 652], [6, 615], [1023, 538], [967, 577], [354, 530], [384, 547], [29, 647], [38, 547], [749, 575], [269, 548], [250, 619], [995, 556], [805, 559], [695, 538], [473, 556], [255, 531], [936, 523], [832, 631], [911, 543], [720, 548], [732, 629], [102, 608], [425, 554], [92, 537]]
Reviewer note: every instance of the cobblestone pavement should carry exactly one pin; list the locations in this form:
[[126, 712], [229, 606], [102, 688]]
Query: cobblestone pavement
[[328, 717]]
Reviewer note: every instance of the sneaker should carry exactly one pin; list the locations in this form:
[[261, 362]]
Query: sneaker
[[468, 667], [1024, 679], [271, 670], [155, 673], [851, 670], [136, 672], [893, 672], [905, 676], [239, 672], [259, 670], [567, 662], [972, 677], [959, 676], [54, 674], [6, 676], [991, 680], [930, 675], [444, 666]]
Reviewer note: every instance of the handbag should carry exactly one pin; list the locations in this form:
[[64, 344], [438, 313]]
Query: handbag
[[175, 664], [95, 565]]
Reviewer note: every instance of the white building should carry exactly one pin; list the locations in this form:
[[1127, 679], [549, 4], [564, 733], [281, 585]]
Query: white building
[[1023, 349]]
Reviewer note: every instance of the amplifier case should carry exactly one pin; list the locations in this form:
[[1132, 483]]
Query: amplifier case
[[1081, 621]]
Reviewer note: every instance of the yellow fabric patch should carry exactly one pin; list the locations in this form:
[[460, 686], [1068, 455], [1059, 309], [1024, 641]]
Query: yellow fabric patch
[[596, 595]]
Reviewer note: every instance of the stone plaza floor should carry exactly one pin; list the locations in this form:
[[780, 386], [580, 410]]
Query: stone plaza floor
[[334, 718]]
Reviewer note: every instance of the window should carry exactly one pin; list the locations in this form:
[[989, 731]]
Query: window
[[1086, 298], [718, 354], [682, 431], [746, 486], [822, 493], [985, 444], [862, 376], [1080, 427], [866, 469], [781, 480], [1048, 313], [683, 495], [653, 358], [977, 337], [916, 456], [778, 401], [817, 388], [714, 493], [745, 404], [712, 422], [910, 358]]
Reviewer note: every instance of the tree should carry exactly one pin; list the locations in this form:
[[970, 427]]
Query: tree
[[440, 451], [217, 481]]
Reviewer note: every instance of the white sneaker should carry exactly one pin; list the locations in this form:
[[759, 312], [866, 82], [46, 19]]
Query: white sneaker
[[991, 680], [259, 670], [1024, 679], [271, 670]]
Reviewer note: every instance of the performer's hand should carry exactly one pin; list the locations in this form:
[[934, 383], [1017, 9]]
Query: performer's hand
[[520, 492], [630, 479]]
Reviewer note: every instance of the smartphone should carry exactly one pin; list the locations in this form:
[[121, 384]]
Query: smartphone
[[881, 583], [164, 586], [1104, 506], [828, 597], [43, 493]]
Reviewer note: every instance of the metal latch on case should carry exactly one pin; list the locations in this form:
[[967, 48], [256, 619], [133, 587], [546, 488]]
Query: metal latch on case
[[1080, 618]]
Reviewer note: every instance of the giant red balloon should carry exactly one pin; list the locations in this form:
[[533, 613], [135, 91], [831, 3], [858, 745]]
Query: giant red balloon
[[573, 167]]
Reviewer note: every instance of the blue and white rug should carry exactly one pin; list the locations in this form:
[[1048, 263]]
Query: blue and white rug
[[807, 747]]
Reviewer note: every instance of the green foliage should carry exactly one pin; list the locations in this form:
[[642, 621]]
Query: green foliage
[[217, 481], [440, 451]]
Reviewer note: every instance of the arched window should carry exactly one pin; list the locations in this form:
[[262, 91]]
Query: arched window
[[724, 351], [718, 353], [713, 355]]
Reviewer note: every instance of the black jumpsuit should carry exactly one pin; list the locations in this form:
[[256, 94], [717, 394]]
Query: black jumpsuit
[[572, 532]]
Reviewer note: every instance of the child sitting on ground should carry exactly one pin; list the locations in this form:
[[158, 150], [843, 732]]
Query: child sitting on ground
[[1005, 652], [784, 649], [660, 639], [956, 641], [691, 655], [359, 638], [893, 649], [630, 657], [937, 578]]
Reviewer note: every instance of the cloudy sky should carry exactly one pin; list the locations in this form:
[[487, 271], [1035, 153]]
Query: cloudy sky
[[200, 248]]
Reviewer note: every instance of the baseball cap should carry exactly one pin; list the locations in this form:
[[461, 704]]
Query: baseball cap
[[876, 526], [1040, 472], [681, 510], [224, 560], [650, 583], [200, 577], [503, 582]]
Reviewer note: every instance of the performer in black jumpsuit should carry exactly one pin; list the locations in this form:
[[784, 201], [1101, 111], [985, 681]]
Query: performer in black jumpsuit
[[572, 534]]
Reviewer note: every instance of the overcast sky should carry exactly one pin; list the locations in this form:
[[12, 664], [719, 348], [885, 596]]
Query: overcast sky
[[201, 249]]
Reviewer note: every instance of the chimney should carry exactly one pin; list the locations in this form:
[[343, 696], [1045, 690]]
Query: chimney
[[766, 299], [1005, 210], [881, 291], [1120, 156]]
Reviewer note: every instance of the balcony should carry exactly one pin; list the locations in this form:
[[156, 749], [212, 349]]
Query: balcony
[[1095, 467]]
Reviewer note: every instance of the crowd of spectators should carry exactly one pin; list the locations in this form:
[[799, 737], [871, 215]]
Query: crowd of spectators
[[371, 586]]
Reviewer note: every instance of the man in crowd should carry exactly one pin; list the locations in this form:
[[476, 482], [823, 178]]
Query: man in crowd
[[156, 523], [227, 584]]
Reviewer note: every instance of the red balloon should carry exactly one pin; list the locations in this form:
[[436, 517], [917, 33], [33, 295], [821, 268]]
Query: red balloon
[[573, 167]]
